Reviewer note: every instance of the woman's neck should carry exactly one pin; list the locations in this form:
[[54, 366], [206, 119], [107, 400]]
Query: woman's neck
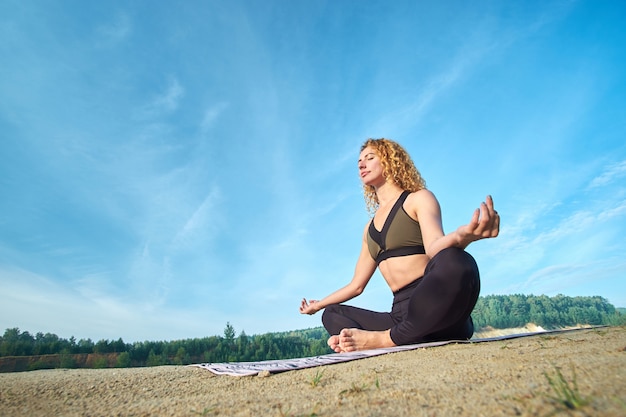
[[387, 192]]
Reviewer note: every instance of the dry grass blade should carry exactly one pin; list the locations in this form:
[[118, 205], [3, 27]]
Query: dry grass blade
[[566, 393]]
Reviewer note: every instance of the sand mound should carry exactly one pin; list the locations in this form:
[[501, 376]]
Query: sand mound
[[487, 332]]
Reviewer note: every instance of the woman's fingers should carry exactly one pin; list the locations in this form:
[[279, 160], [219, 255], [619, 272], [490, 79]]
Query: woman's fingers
[[475, 219], [496, 229], [491, 219], [485, 220], [489, 201], [495, 223], [306, 306]]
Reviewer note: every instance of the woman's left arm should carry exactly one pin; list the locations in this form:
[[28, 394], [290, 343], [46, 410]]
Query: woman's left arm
[[485, 223]]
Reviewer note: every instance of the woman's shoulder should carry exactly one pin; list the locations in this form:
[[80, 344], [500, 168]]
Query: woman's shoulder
[[421, 195], [420, 199]]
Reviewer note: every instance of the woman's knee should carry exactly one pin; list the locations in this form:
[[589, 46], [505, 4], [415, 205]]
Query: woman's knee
[[337, 317], [331, 309], [456, 262], [329, 314], [454, 254]]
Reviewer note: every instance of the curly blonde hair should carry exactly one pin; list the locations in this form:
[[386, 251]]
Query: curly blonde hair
[[397, 166]]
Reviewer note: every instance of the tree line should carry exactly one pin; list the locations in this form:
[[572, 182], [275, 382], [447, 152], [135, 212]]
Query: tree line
[[506, 311], [497, 311], [226, 348]]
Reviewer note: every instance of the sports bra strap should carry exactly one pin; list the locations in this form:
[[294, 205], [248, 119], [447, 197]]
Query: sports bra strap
[[403, 251], [390, 217]]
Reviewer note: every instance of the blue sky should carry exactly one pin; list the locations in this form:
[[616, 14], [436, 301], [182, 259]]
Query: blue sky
[[168, 167]]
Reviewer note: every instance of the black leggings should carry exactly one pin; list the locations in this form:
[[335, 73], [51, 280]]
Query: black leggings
[[432, 308]]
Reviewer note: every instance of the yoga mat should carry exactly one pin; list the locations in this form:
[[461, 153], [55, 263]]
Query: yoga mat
[[283, 365]]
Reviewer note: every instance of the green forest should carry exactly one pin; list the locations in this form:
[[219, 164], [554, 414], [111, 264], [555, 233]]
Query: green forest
[[21, 350], [506, 311]]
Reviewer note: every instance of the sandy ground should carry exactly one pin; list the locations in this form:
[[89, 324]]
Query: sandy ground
[[483, 379]]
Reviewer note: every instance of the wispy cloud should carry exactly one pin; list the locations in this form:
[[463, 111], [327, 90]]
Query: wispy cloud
[[102, 314], [116, 31], [559, 278], [549, 232], [574, 223], [483, 41], [611, 212], [204, 217], [612, 173], [164, 102], [410, 114], [570, 225], [211, 115]]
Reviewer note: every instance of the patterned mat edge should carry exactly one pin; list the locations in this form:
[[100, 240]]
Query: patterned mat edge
[[283, 365]]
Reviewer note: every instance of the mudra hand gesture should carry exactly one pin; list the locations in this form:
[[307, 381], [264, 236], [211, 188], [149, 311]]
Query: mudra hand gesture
[[308, 307], [485, 223]]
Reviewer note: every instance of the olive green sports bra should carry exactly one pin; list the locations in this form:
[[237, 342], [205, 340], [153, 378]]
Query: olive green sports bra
[[400, 235]]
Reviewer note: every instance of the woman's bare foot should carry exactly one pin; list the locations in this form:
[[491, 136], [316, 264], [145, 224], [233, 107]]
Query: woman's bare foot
[[333, 342], [350, 340]]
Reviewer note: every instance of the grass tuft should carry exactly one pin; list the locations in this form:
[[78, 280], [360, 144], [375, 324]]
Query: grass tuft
[[565, 393], [205, 412], [359, 388], [354, 389], [317, 378]]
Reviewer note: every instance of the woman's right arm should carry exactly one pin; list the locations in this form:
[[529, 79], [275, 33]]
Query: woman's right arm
[[363, 272]]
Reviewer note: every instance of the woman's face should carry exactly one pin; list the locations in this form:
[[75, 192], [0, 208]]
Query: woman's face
[[370, 168]]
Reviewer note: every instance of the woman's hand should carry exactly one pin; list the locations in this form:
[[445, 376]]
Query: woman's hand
[[309, 307], [485, 223]]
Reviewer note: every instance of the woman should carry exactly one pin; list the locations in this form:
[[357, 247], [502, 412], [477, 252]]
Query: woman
[[434, 281]]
